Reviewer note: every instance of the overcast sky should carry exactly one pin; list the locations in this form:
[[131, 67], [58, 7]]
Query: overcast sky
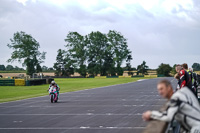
[[158, 31]]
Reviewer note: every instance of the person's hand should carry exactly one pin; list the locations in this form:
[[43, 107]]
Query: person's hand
[[146, 116]]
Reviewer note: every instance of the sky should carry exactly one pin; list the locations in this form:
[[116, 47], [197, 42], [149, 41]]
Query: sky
[[158, 31]]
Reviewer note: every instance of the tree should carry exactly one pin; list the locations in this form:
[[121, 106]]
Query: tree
[[44, 68], [142, 68], [2, 67], [17, 68], [196, 66], [96, 51], [108, 65], [60, 62], [128, 65], [69, 66], [50, 69], [63, 65], [9, 67], [164, 69], [173, 71], [26, 52], [77, 48], [119, 49]]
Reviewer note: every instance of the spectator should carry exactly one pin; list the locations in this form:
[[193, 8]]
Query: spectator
[[184, 78], [195, 83], [181, 73], [189, 79], [176, 76], [183, 106]]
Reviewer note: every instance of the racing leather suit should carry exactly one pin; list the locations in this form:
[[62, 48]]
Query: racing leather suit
[[182, 78], [184, 107], [57, 87], [185, 80]]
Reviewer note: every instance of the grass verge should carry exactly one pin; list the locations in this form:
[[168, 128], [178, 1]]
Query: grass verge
[[12, 93]]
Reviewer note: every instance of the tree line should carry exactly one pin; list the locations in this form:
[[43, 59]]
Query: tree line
[[16, 68], [93, 54], [10, 68]]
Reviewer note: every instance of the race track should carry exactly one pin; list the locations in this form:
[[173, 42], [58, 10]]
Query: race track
[[113, 109]]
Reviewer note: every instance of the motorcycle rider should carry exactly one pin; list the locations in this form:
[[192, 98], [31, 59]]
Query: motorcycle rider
[[53, 83], [182, 106]]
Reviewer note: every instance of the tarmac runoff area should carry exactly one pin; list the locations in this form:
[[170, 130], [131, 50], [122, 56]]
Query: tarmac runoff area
[[112, 109]]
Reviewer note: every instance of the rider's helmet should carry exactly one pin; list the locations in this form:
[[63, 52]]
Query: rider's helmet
[[53, 82]]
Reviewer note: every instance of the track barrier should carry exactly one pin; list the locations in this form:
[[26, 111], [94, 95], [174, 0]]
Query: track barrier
[[7, 82], [22, 82], [100, 77], [150, 76], [125, 76], [137, 76]]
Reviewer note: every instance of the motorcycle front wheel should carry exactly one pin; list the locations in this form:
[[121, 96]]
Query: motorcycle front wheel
[[51, 98]]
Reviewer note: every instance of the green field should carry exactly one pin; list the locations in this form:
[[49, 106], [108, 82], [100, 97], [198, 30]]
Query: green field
[[12, 93]]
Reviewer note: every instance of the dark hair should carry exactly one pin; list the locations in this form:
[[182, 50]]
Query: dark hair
[[185, 66], [178, 65], [166, 82]]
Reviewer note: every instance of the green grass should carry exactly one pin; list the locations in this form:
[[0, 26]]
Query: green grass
[[12, 93]]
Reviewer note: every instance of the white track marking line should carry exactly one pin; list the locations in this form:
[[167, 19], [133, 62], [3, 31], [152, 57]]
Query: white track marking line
[[42, 106], [142, 80], [86, 114], [68, 128]]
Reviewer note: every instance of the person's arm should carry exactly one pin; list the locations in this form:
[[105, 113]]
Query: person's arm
[[57, 87], [182, 79], [167, 115], [49, 87]]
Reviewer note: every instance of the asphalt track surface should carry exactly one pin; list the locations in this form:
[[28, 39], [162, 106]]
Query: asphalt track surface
[[113, 109]]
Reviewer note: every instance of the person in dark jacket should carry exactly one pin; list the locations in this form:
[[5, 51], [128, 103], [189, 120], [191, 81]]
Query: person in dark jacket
[[195, 83], [189, 76]]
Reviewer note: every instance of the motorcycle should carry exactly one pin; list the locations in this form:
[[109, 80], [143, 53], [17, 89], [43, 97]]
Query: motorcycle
[[53, 93]]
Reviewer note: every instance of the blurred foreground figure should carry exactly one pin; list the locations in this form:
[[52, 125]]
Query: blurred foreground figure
[[183, 106]]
